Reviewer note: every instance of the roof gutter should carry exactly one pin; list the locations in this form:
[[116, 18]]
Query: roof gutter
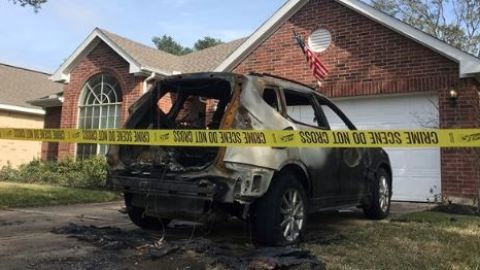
[[156, 70], [53, 101], [20, 109], [145, 82]]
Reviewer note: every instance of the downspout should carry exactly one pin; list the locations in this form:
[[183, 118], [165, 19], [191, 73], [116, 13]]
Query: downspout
[[145, 82]]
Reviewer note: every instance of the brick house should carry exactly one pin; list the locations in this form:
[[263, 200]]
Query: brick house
[[17, 86], [383, 74]]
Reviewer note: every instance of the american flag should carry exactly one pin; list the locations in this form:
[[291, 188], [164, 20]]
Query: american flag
[[319, 70]]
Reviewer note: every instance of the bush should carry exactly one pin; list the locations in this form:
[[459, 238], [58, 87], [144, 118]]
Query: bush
[[8, 173], [88, 173]]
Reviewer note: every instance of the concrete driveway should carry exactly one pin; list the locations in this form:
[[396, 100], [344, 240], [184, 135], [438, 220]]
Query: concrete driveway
[[26, 240], [27, 243]]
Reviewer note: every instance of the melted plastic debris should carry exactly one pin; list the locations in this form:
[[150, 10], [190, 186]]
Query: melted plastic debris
[[232, 256]]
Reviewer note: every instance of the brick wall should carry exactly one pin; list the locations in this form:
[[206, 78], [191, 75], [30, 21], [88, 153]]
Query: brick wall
[[101, 59], [461, 167], [52, 120], [366, 58]]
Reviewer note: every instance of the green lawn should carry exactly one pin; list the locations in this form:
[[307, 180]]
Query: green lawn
[[23, 195], [422, 240]]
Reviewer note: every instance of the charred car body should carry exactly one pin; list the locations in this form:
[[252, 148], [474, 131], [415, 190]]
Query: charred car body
[[274, 188]]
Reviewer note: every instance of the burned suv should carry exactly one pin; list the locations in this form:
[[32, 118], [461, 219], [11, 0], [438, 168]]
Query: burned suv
[[273, 188]]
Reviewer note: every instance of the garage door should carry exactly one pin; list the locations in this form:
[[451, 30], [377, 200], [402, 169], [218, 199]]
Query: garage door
[[416, 172]]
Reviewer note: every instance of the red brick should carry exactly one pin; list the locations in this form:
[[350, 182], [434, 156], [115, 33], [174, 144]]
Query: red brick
[[52, 120]]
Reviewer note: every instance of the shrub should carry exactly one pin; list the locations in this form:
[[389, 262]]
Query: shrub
[[88, 173], [32, 172], [8, 173], [95, 172]]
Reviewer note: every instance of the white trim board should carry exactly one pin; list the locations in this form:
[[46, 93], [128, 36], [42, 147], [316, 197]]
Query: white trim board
[[20, 109], [469, 64]]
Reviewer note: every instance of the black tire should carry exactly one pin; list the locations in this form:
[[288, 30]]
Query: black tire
[[138, 217], [266, 215], [375, 208]]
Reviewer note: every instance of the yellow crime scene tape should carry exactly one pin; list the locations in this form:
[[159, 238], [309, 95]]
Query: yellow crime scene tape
[[241, 138]]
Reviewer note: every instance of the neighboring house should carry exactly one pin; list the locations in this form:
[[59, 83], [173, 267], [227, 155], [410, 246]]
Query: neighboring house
[[383, 74], [18, 85]]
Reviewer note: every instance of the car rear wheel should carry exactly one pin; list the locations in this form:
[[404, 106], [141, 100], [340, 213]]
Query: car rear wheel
[[379, 205], [138, 217], [279, 217]]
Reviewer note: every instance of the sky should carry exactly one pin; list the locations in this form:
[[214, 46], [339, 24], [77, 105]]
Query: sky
[[43, 40]]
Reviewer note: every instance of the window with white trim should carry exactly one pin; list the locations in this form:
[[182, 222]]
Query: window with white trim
[[99, 108]]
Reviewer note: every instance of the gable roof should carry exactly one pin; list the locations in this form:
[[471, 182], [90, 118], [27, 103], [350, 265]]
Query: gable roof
[[469, 64], [203, 60], [17, 85], [208, 59], [146, 59]]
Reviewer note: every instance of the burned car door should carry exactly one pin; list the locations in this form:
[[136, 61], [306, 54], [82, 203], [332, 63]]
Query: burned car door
[[322, 164], [352, 168]]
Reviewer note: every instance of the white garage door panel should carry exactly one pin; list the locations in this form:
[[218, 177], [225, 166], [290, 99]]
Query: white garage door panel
[[416, 172]]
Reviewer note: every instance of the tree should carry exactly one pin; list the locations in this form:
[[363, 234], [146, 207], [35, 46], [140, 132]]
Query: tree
[[461, 29], [168, 44], [467, 13], [206, 42], [36, 4]]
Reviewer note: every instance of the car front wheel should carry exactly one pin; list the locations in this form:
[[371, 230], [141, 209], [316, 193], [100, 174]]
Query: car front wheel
[[279, 217], [379, 203]]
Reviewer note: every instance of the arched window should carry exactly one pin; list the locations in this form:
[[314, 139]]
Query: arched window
[[100, 107]]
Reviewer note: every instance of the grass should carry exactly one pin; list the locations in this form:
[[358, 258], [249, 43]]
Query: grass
[[24, 195], [422, 240]]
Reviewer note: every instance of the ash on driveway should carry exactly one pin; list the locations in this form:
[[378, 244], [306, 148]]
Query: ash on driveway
[[99, 236]]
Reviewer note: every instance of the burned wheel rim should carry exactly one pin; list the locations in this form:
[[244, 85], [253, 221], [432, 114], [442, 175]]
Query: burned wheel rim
[[292, 210], [384, 193]]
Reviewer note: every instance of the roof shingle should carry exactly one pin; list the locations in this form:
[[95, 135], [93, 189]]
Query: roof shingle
[[18, 85], [208, 59], [145, 55], [149, 57]]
